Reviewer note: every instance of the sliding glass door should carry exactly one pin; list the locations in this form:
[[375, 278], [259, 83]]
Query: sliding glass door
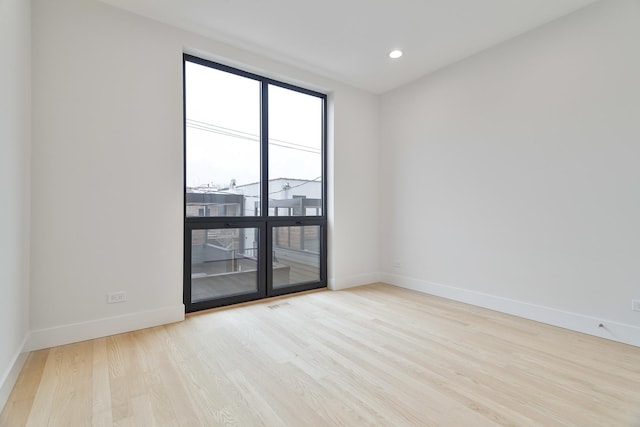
[[255, 187]]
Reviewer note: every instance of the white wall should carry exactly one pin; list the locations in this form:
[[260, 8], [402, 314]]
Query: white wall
[[107, 180], [15, 146], [353, 239], [511, 179]]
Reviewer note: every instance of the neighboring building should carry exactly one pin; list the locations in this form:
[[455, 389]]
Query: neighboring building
[[287, 197]]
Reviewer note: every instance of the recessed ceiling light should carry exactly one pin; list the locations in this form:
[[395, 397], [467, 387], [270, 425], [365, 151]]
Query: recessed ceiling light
[[395, 54]]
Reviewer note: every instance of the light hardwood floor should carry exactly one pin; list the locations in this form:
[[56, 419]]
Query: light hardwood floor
[[373, 355]]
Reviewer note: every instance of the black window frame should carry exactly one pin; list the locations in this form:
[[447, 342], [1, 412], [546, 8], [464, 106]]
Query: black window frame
[[263, 222]]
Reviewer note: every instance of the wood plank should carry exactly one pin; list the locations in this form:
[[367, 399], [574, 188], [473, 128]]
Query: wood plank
[[374, 355]]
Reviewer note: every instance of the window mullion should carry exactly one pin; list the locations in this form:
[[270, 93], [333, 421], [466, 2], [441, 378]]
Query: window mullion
[[264, 141]]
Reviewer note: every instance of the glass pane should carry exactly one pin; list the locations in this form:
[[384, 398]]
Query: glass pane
[[296, 255], [224, 262], [222, 143], [295, 153]]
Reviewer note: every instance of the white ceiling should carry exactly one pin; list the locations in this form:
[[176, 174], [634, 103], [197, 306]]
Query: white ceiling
[[348, 40]]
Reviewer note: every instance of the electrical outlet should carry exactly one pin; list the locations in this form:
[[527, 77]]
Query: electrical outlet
[[635, 304], [116, 297]]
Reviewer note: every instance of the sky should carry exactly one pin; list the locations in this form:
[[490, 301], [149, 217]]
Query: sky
[[223, 127]]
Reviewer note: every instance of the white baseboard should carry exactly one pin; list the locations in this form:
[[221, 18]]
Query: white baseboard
[[76, 332], [9, 377], [353, 281], [616, 331]]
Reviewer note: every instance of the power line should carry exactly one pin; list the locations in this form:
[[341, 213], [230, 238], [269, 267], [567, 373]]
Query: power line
[[248, 134], [221, 130], [221, 127]]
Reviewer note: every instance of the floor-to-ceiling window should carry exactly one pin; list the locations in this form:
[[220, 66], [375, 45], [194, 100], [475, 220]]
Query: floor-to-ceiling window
[[255, 186]]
